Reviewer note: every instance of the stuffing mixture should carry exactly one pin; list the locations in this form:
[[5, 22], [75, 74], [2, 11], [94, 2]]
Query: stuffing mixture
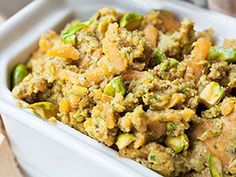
[[148, 86]]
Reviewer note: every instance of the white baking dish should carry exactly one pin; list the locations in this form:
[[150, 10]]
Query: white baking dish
[[46, 150]]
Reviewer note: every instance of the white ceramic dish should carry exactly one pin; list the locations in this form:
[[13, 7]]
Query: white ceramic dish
[[46, 150]]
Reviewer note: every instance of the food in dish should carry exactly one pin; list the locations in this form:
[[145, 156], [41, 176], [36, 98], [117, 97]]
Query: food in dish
[[148, 86]]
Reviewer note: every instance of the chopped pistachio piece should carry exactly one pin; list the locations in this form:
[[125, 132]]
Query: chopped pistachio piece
[[221, 53], [172, 62], [212, 94], [177, 143], [44, 109], [159, 56], [215, 167], [18, 74], [124, 140], [68, 35], [131, 21], [116, 85]]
